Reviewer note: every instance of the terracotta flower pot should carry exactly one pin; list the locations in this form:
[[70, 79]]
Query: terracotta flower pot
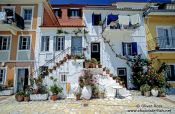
[[147, 93], [54, 97], [99, 66], [107, 71], [19, 98], [27, 99], [50, 70], [78, 97]]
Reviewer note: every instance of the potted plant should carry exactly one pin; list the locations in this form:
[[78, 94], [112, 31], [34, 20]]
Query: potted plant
[[38, 90], [50, 70], [145, 89], [78, 95], [54, 67], [87, 63], [162, 92], [154, 91], [55, 89], [20, 96], [95, 62], [27, 97], [107, 71]]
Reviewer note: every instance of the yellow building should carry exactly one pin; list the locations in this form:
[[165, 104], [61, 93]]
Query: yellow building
[[160, 33]]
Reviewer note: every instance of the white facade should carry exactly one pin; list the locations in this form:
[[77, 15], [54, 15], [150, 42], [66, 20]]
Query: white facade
[[73, 68]]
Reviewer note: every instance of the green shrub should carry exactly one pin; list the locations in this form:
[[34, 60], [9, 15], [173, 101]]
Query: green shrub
[[56, 89], [145, 88]]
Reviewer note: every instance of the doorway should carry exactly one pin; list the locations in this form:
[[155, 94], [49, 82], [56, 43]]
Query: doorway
[[22, 79], [95, 51]]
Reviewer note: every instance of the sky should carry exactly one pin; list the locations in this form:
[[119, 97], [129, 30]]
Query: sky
[[99, 2]]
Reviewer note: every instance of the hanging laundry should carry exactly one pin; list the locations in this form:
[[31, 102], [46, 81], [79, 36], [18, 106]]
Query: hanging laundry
[[123, 20], [135, 19]]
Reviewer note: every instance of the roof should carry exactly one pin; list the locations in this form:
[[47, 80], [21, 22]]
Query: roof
[[101, 2]]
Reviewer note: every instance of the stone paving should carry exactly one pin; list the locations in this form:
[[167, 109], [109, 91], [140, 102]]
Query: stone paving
[[95, 106]]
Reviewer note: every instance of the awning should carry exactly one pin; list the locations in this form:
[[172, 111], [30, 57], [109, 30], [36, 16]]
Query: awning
[[111, 18]]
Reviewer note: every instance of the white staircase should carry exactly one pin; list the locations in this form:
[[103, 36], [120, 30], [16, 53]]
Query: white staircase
[[112, 88]]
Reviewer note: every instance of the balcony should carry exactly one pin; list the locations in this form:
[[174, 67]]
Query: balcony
[[162, 9], [10, 21], [120, 24], [161, 44]]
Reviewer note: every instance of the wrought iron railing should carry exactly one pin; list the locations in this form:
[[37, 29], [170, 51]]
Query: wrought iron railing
[[162, 43]]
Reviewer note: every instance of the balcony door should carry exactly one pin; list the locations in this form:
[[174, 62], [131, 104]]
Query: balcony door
[[76, 45]]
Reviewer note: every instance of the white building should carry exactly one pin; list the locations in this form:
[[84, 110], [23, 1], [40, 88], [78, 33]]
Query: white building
[[115, 29]]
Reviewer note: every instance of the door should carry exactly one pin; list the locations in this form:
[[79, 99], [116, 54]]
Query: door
[[22, 79], [95, 51], [76, 46]]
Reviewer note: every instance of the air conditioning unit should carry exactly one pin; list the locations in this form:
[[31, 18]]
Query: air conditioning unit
[[2, 64], [2, 16]]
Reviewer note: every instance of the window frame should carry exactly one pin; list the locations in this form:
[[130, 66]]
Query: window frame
[[43, 45], [61, 43], [5, 73], [170, 72], [22, 15], [58, 11], [93, 19], [122, 68], [96, 51], [8, 43], [65, 78], [28, 48], [79, 15], [126, 49], [6, 7]]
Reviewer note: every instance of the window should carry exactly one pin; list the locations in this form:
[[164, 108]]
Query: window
[[170, 73], [129, 48], [4, 42], [63, 78], [24, 43], [74, 13], [96, 19], [59, 43], [166, 37], [57, 12], [45, 43], [2, 75], [27, 14], [43, 70], [121, 71], [95, 48]]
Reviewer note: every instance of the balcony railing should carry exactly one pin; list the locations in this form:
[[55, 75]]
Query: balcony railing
[[13, 19], [162, 44]]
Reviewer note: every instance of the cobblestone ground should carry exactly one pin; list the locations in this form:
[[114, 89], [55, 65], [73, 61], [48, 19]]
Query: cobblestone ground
[[152, 105]]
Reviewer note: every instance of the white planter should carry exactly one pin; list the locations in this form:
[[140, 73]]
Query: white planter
[[154, 92], [6, 92], [38, 97], [86, 92]]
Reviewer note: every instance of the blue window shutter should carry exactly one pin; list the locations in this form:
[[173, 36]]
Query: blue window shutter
[[123, 48], [93, 19], [134, 48]]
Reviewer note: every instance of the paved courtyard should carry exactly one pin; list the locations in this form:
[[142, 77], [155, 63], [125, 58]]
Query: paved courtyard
[[146, 105]]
